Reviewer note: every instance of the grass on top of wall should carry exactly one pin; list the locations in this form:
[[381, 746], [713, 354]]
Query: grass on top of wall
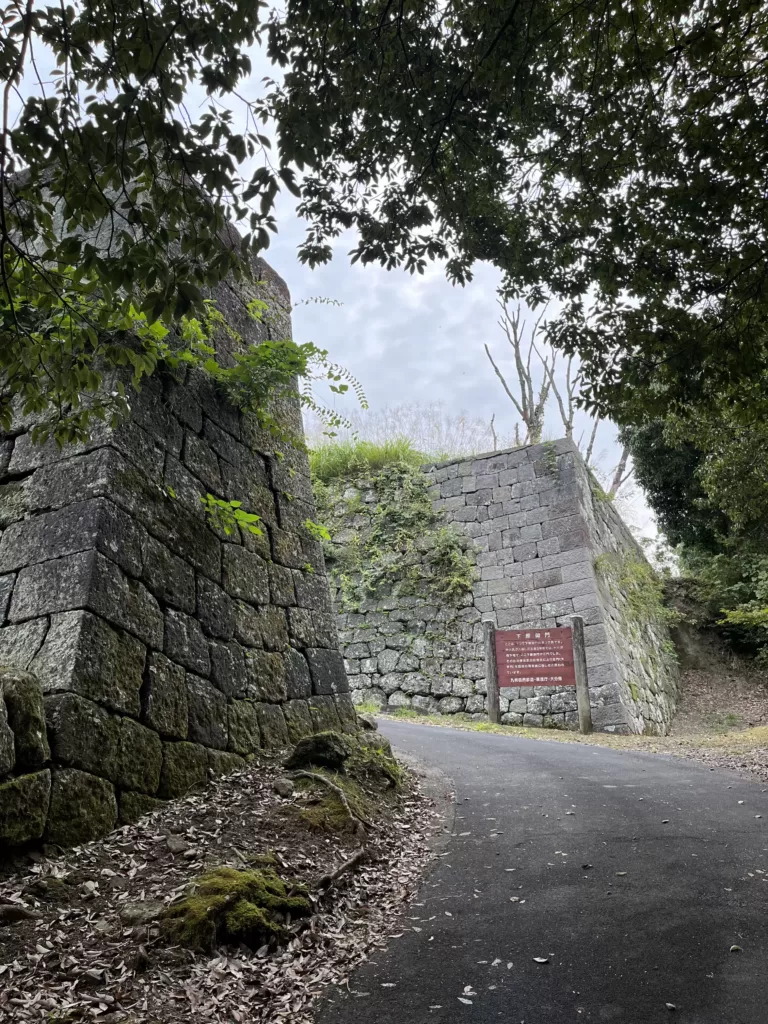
[[333, 460]]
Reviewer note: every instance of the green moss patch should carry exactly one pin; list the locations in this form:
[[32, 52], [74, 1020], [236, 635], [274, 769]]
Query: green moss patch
[[251, 906]]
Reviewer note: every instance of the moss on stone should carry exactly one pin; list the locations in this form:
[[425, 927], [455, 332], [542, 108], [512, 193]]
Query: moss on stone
[[83, 807], [184, 765], [26, 717], [135, 805], [222, 763], [231, 905], [322, 750], [24, 807]]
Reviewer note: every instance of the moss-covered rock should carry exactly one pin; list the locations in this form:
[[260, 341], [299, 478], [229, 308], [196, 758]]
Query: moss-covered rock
[[297, 719], [26, 717], [135, 805], [272, 727], [140, 758], [345, 709], [222, 763], [244, 734], [323, 750], [83, 807], [24, 807], [184, 765], [230, 905], [83, 735], [324, 714]]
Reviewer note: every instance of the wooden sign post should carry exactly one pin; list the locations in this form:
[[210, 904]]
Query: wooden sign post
[[537, 656], [491, 675], [582, 681]]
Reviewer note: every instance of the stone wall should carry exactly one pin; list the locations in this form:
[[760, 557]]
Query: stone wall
[[158, 647], [536, 526]]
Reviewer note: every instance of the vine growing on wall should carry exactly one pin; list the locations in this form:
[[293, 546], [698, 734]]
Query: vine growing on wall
[[401, 546]]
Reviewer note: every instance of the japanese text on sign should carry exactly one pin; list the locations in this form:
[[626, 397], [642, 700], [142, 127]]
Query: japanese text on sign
[[535, 657]]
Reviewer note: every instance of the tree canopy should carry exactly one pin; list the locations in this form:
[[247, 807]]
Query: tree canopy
[[612, 156]]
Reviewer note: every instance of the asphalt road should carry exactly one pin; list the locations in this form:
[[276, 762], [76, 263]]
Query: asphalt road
[[678, 875]]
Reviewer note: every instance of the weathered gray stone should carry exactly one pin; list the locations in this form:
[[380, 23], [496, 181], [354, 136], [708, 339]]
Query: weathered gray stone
[[14, 501], [133, 806], [24, 804], [398, 699], [298, 677], [83, 654], [170, 578], [245, 575], [427, 705], [82, 807], [535, 721], [512, 719], [164, 698], [184, 765], [23, 697], [140, 758], [185, 642], [273, 627], [228, 672], [266, 678], [88, 580], [223, 762], [297, 719], [215, 609], [207, 713], [345, 709], [327, 671], [20, 644], [90, 524], [82, 735], [244, 734], [272, 727], [201, 461], [301, 626], [281, 586], [7, 743], [451, 705], [322, 710]]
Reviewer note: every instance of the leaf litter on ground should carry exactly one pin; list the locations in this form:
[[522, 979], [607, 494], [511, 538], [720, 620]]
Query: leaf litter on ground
[[91, 949]]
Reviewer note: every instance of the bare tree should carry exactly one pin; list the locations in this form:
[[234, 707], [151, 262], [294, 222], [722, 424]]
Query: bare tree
[[530, 407], [531, 400]]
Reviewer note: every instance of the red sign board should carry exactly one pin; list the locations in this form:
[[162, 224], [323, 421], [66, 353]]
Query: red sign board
[[535, 657]]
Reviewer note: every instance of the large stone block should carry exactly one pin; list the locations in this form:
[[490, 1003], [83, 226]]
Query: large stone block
[[322, 710], [83, 807], [170, 578], [311, 590], [301, 627], [83, 735], [7, 743], [297, 719], [297, 674], [345, 709], [20, 644], [223, 762], [133, 806], [207, 710], [215, 609], [89, 524], [23, 698], [185, 642], [88, 580], [450, 705], [245, 575], [202, 462], [140, 758], [228, 672], [327, 670], [184, 765], [266, 679], [272, 727], [164, 698], [281, 586], [83, 654], [24, 808], [244, 734]]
